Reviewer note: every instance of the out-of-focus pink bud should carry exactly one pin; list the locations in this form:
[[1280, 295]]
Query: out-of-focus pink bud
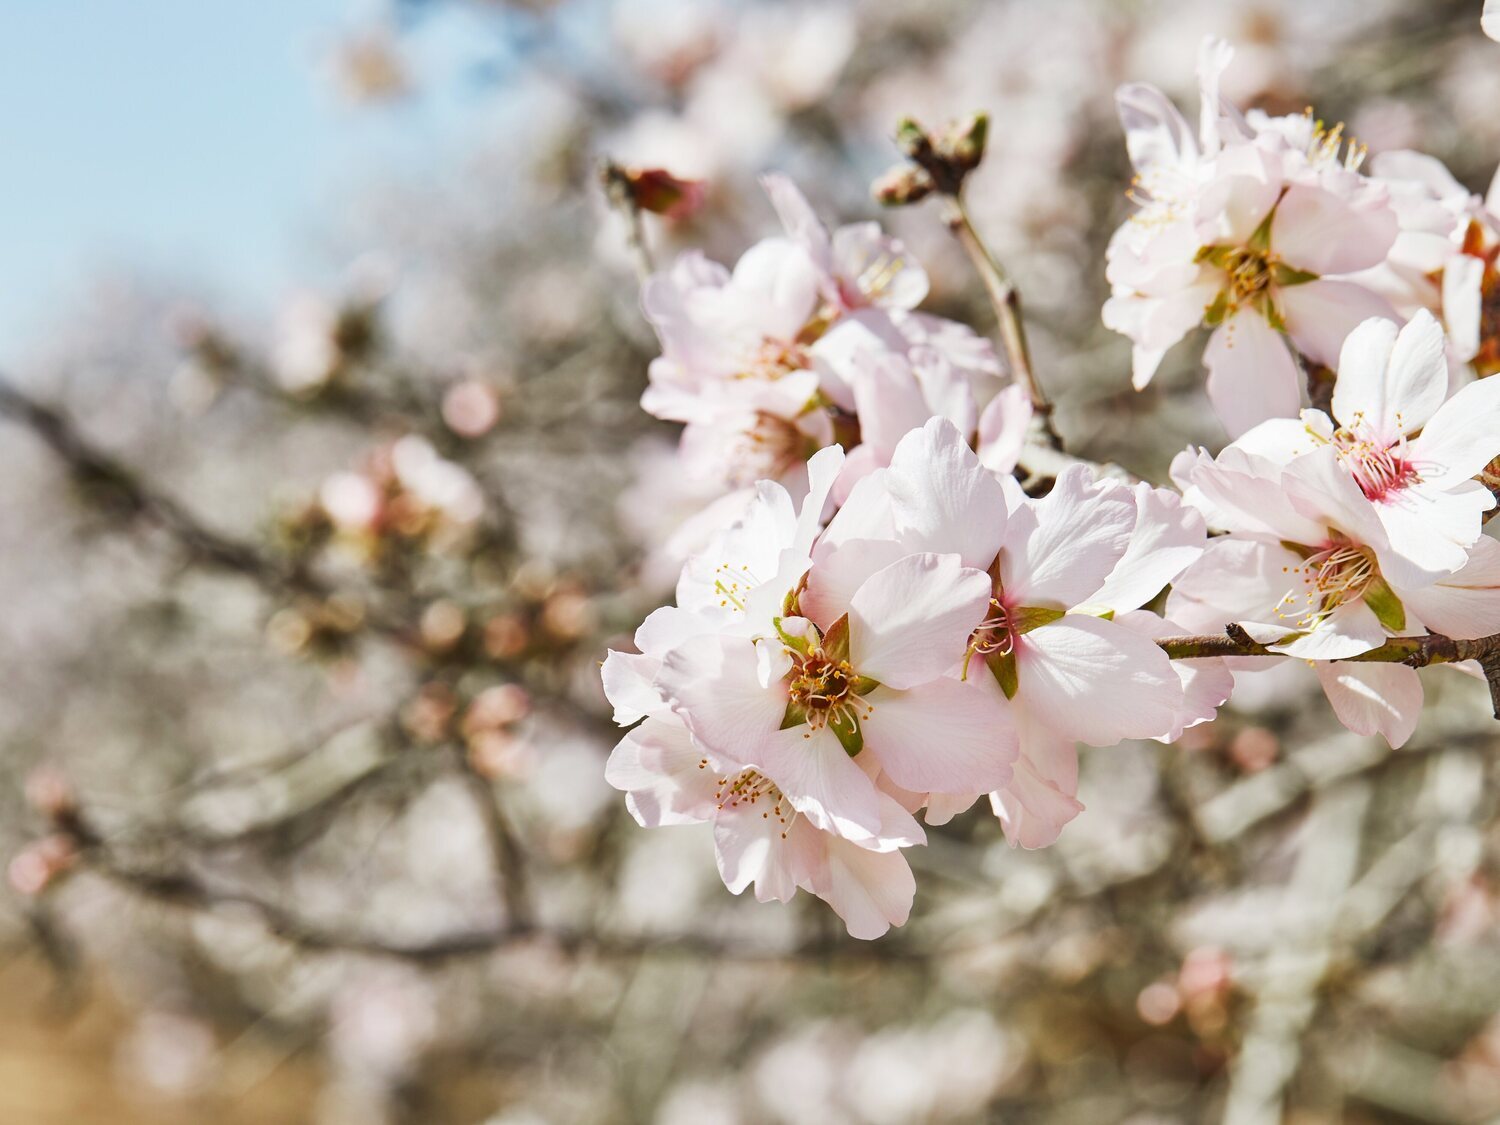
[[1158, 1003], [1254, 748], [38, 865], [497, 707], [50, 793], [443, 624], [471, 408]]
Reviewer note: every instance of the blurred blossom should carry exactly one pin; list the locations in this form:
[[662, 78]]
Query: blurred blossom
[[367, 67], [307, 353], [381, 1020], [36, 866], [172, 1055], [471, 408]]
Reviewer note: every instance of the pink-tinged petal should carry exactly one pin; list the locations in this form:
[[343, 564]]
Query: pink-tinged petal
[[1489, 22], [1370, 698], [750, 549], [1042, 797], [1240, 493], [1251, 374], [1321, 314], [658, 764], [777, 282], [888, 400], [668, 627], [1096, 682], [1465, 606], [1232, 207], [839, 573], [752, 848], [943, 499], [1430, 530], [943, 807], [910, 622], [1463, 436], [946, 390], [946, 736], [1058, 550], [1349, 630], [629, 685], [874, 268], [821, 781], [1282, 440], [1236, 580], [871, 891], [1463, 303], [1156, 133], [823, 469], [1218, 122], [1399, 396], [798, 218], [1002, 429], [1322, 233], [1492, 197], [1167, 539], [1206, 683], [713, 682], [1319, 488], [864, 514]]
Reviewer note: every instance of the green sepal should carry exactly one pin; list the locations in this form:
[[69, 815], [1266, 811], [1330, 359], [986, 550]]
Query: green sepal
[[1301, 550], [791, 604], [1283, 274], [1387, 606], [1218, 309], [1029, 617], [800, 645], [1272, 314], [1003, 665], [794, 716], [845, 726], [836, 640], [1214, 255], [863, 685], [1260, 237]]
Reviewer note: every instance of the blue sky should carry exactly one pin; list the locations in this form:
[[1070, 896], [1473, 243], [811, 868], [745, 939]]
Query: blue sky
[[190, 137]]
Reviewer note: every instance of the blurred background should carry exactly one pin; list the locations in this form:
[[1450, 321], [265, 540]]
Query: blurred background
[[325, 489]]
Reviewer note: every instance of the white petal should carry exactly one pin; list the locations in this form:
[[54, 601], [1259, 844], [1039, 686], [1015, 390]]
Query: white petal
[[1430, 530], [1096, 682], [1235, 580], [1463, 436], [1002, 429], [1321, 314], [1489, 20], [800, 220], [750, 847], [658, 765], [1282, 440], [1206, 683], [821, 781], [822, 470], [1251, 374], [1042, 797], [1463, 303], [839, 573], [1361, 391], [1319, 488], [1349, 630], [943, 499], [946, 736], [1155, 132], [1058, 550], [910, 622], [1167, 539], [629, 685], [1371, 698], [713, 682], [871, 891], [1416, 381], [1466, 605], [877, 267], [1323, 233]]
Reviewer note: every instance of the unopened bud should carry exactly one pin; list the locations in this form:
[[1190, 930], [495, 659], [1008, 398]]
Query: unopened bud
[[901, 185], [962, 142], [651, 189], [50, 793], [911, 138]]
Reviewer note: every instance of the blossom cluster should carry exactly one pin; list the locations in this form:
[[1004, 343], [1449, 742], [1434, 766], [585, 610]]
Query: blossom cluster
[[888, 624]]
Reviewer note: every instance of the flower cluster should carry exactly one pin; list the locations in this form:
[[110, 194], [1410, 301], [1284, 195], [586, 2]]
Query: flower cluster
[[889, 624]]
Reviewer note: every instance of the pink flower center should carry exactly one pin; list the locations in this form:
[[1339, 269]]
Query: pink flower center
[[767, 449], [1377, 466], [995, 634], [773, 359]]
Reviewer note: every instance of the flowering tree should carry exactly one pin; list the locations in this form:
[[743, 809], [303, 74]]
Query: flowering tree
[[898, 590]]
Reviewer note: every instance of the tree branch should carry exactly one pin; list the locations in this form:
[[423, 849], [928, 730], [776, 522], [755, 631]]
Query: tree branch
[[1414, 652]]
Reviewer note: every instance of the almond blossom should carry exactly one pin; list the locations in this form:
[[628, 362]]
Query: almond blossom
[[1412, 454], [1057, 569], [1301, 572], [1253, 229]]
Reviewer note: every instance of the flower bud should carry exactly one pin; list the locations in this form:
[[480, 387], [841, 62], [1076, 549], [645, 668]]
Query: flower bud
[[38, 865], [901, 185], [50, 793], [911, 138], [962, 142]]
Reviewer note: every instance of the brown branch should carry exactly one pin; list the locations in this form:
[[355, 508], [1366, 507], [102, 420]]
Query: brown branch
[[1414, 652]]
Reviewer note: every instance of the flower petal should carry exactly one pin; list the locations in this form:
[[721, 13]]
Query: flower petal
[[1322, 233], [1400, 396], [1251, 374], [1096, 682], [1462, 437], [910, 622], [871, 891], [1042, 797], [713, 682], [1321, 314], [1466, 605], [1370, 698], [657, 763], [821, 781], [943, 499], [1349, 630], [1168, 538], [1058, 550], [945, 736]]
